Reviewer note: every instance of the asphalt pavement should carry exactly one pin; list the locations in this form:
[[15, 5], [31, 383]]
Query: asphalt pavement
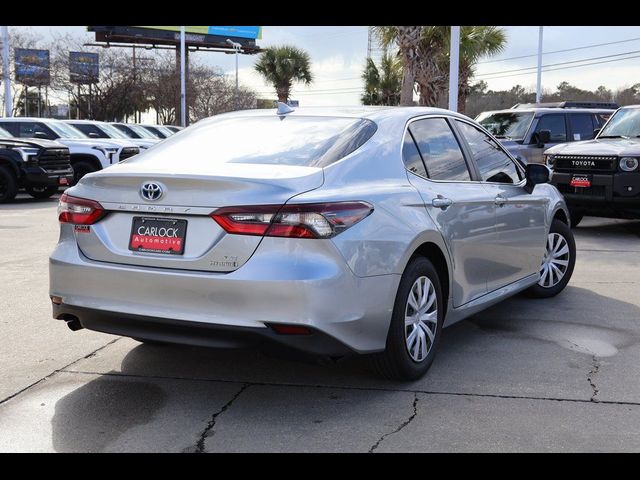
[[527, 375]]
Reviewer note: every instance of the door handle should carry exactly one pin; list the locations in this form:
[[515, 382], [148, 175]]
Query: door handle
[[441, 202], [500, 200]]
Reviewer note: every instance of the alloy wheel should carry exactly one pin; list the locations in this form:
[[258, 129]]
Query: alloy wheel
[[421, 319], [555, 261]]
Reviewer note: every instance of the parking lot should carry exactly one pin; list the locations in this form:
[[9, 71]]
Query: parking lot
[[525, 375]]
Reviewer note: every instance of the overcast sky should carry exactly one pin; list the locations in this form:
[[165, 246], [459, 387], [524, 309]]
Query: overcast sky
[[338, 55]]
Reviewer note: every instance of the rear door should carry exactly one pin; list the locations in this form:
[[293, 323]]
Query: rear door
[[459, 205], [519, 216]]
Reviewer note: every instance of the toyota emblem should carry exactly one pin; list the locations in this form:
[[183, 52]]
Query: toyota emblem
[[151, 191]]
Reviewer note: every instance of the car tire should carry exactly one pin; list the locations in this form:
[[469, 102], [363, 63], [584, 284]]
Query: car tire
[[404, 359], [8, 185], [576, 217], [559, 237], [42, 192], [80, 169]]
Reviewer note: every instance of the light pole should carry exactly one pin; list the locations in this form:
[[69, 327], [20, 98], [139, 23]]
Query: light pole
[[454, 68], [236, 46], [6, 76], [539, 80], [183, 86]]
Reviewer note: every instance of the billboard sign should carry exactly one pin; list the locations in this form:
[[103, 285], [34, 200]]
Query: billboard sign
[[32, 66], [226, 31], [84, 67]]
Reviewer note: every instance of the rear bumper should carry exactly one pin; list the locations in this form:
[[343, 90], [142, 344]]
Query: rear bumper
[[198, 333], [286, 281], [609, 192]]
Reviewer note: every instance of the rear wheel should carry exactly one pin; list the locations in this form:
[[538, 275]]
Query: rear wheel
[[557, 263], [8, 185], [80, 169], [41, 192], [415, 326]]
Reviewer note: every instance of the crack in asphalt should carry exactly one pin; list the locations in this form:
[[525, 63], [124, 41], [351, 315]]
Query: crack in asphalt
[[590, 377], [58, 370], [402, 425], [209, 431], [370, 388]]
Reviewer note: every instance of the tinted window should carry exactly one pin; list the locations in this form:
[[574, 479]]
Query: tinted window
[[494, 165], [88, 128], [508, 125], [581, 126], [11, 127], [411, 156], [440, 150], [556, 124], [273, 140], [29, 129]]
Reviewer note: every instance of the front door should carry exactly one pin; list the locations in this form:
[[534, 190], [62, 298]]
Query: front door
[[519, 216]]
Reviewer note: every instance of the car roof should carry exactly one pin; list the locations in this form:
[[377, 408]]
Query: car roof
[[28, 119], [370, 112], [552, 110]]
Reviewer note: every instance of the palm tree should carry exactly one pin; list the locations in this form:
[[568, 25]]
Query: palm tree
[[407, 39], [281, 66], [383, 84]]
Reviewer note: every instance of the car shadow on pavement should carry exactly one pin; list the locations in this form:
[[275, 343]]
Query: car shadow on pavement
[[520, 347]]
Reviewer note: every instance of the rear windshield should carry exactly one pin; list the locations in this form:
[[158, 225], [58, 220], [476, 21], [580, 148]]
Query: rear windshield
[[299, 141], [506, 125]]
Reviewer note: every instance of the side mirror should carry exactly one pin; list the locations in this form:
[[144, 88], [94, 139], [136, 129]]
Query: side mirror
[[544, 136], [596, 132], [535, 173], [93, 135], [40, 134]]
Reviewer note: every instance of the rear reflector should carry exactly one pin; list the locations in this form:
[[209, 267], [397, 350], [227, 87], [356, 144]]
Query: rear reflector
[[311, 220], [291, 329], [79, 211], [56, 300]]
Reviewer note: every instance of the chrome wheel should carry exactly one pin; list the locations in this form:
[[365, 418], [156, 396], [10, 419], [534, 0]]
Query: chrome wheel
[[555, 262], [421, 319]]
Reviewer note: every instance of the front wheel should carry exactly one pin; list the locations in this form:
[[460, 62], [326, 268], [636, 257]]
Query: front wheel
[[416, 324], [557, 263], [41, 192]]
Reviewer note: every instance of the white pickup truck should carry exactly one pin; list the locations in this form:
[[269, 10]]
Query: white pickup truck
[[87, 154]]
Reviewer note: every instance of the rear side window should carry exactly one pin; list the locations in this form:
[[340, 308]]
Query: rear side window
[[411, 156], [272, 140], [556, 124], [494, 165], [440, 150], [581, 126]]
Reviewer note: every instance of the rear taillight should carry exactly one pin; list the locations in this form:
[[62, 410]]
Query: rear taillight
[[312, 220], [79, 211]]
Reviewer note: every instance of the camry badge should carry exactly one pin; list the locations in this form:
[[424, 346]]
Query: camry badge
[[151, 191]]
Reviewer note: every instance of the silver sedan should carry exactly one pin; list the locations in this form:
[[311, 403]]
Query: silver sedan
[[331, 231]]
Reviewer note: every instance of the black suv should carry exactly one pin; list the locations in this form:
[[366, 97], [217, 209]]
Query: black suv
[[39, 166], [601, 177]]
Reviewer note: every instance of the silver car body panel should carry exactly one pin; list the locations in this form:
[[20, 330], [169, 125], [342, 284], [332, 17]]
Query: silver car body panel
[[344, 286]]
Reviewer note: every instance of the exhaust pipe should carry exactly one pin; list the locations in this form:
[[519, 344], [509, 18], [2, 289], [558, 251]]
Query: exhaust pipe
[[72, 322]]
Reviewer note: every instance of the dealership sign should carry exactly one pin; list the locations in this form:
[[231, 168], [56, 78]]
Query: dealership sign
[[84, 67], [32, 66]]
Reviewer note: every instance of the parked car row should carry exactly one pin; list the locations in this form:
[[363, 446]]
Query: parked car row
[[80, 147]]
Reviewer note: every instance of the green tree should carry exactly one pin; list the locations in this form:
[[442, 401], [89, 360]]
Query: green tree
[[282, 66], [383, 84], [407, 41]]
